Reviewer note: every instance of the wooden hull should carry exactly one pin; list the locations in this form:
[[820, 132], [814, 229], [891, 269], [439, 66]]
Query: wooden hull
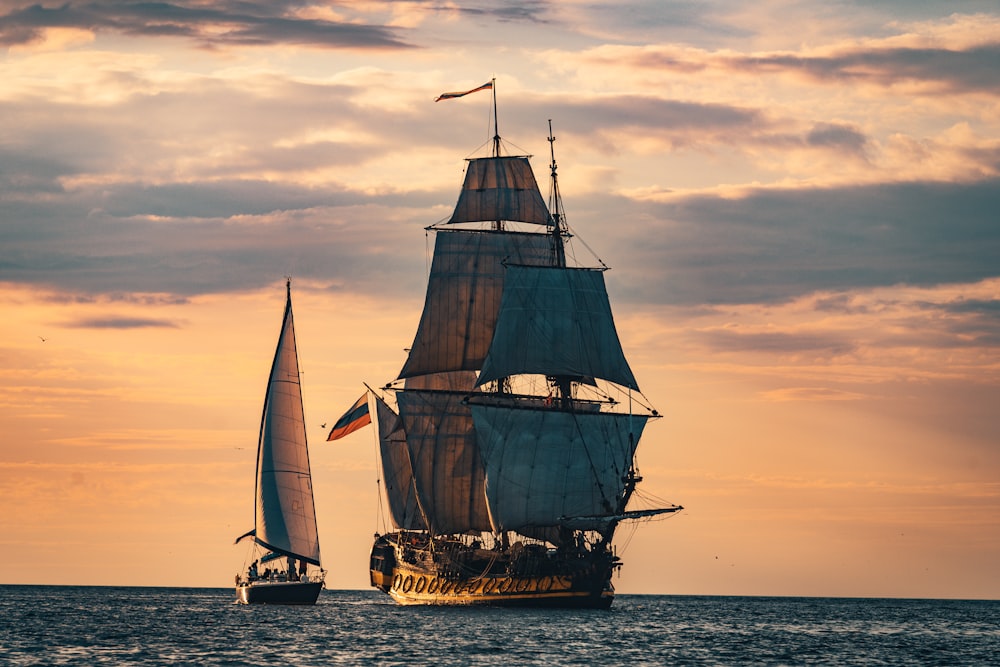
[[582, 582], [411, 587], [281, 592]]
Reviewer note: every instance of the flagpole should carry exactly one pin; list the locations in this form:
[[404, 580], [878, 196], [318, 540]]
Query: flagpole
[[496, 121]]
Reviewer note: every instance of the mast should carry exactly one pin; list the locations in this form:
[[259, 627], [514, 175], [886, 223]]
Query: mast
[[496, 120], [563, 385], [554, 208], [498, 223]]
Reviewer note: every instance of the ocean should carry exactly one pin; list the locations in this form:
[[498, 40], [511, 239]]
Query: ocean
[[65, 625]]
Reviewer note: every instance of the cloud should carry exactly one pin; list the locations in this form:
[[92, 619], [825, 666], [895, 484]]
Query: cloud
[[772, 245], [531, 11], [973, 69], [962, 67], [209, 24], [165, 181], [113, 322], [810, 394], [837, 136], [828, 344]]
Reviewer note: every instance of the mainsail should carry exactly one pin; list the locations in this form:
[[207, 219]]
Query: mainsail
[[285, 510], [545, 466]]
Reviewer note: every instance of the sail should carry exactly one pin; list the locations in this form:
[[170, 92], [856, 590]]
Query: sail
[[556, 321], [547, 467], [444, 453], [500, 188], [286, 514], [463, 296], [396, 472]]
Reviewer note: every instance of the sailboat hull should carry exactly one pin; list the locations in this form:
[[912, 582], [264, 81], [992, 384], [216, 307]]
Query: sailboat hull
[[583, 582], [281, 592]]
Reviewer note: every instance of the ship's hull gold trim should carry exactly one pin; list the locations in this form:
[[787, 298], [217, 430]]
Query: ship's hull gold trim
[[412, 584]]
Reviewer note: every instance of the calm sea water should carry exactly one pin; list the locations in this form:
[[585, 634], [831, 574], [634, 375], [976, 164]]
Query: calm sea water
[[56, 625]]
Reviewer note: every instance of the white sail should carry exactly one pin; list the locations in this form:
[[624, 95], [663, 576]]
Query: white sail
[[500, 188], [556, 321], [397, 475], [546, 467], [286, 513], [447, 468], [463, 297]]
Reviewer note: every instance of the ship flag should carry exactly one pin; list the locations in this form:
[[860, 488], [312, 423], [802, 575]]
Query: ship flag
[[355, 417], [449, 96]]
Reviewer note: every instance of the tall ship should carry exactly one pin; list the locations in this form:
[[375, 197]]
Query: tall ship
[[507, 441], [285, 561]]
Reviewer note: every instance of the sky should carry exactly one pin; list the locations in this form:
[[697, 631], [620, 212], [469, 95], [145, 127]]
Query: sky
[[798, 202]]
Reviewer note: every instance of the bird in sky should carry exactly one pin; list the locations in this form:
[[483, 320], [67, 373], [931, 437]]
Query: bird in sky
[[43, 339]]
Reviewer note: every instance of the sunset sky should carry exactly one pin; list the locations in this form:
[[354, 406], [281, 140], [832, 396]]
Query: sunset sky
[[799, 202]]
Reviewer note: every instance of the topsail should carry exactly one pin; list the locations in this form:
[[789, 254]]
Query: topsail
[[556, 321], [500, 188]]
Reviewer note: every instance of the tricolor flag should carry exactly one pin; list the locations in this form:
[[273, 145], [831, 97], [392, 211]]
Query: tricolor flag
[[448, 96], [355, 417]]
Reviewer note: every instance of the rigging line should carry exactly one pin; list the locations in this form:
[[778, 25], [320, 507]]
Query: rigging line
[[590, 459], [652, 498], [380, 513], [427, 255], [591, 250], [476, 150]]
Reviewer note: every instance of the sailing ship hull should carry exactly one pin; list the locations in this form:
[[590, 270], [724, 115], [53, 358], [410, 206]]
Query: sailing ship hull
[[418, 577], [281, 592]]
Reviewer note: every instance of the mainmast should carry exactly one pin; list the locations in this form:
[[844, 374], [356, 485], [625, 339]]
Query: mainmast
[[496, 120], [497, 224]]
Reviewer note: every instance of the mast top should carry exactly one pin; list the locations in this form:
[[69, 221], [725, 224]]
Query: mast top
[[554, 204]]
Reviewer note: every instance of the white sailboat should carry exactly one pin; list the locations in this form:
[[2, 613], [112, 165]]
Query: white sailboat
[[285, 567]]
